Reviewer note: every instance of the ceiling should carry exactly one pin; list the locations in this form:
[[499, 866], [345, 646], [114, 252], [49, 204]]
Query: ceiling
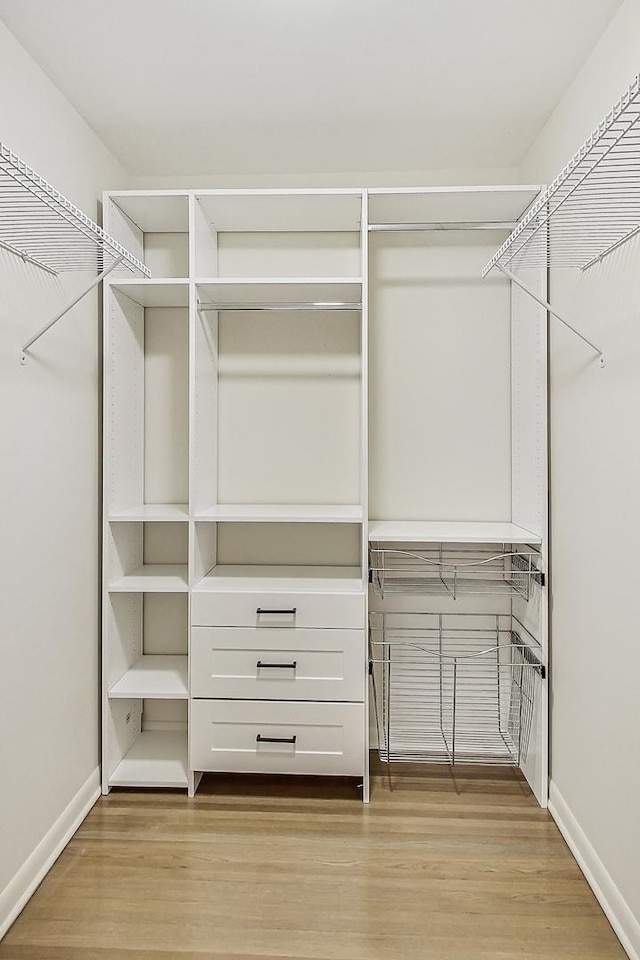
[[311, 86]]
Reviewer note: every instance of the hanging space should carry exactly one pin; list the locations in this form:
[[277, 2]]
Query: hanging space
[[457, 486]]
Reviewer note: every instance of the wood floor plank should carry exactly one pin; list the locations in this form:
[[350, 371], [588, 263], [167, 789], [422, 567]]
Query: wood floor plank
[[435, 868]]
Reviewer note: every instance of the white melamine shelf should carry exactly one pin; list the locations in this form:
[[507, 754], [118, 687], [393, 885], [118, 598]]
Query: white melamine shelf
[[155, 211], [450, 205], [155, 293], [154, 678], [152, 512], [153, 578], [440, 531], [284, 513], [258, 291], [282, 211], [156, 758], [280, 579]]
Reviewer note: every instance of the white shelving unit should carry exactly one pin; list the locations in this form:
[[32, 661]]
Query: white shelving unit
[[235, 415], [245, 483]]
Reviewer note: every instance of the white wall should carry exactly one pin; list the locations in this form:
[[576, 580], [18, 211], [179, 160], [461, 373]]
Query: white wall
[[49, 490], [595, 470]]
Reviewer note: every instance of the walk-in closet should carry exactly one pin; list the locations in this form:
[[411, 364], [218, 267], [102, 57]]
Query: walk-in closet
[[319, 363]]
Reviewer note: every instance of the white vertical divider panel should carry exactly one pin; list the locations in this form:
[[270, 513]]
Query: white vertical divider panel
[[364, 465], [529, 489], [204, 237], [192, 779], [123, 478]]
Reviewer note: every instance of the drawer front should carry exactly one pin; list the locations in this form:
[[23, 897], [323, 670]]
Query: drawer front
[[285, 610], [249, 736], [277, 664]]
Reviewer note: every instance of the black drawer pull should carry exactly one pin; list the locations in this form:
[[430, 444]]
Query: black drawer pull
[[261, 739], [291, 611], [277, 666]]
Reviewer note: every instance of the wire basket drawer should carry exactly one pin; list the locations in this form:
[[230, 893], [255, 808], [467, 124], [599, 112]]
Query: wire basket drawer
[[453, 688], [453, 570]]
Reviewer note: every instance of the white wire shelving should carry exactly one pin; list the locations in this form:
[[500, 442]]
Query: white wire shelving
[[43, 228], [593, 205]]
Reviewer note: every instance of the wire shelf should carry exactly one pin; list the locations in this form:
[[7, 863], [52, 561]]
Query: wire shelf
[[593, 205], [452, 688], [453, 570], [42, 227]]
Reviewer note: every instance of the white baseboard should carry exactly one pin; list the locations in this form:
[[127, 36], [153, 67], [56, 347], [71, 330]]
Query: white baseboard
[[616, 908], [18, 891]]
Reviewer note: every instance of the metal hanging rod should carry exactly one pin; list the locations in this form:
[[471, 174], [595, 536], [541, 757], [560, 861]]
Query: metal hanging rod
[[547, 306], [340, 305], [444, 226]]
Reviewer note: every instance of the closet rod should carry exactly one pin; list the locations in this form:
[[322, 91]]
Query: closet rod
[[435, 226], [215, 307]]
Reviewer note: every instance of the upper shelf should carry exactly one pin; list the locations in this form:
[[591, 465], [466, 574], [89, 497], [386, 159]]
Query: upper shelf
[[450, 207], [286, 211], [154, 293], [44, 228], [592, 206]]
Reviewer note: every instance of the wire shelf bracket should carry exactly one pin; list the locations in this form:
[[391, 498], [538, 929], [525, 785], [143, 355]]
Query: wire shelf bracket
[[43, 228], [590, 210]]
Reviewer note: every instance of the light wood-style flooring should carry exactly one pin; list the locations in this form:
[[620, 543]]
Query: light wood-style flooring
[[433, 869]]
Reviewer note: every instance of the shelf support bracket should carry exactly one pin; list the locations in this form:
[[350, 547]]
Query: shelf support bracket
[[68, 306], [547, 306]]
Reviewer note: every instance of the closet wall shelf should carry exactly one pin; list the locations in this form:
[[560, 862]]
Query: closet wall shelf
[[38, 224], [153, 578], [442, 225], [449, 531], [280, 294], [151, 512], [154, 677], [154, 293], [590, 209], [157, 758], [283, 513], [592, 206], [252, 578]]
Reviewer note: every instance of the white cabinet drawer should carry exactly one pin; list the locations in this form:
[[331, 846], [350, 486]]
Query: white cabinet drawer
[[277, 664], [218, 609], [253, 736]]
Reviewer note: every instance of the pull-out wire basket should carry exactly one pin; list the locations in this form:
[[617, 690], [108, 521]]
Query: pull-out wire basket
[[454, 570], [453, 688]]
